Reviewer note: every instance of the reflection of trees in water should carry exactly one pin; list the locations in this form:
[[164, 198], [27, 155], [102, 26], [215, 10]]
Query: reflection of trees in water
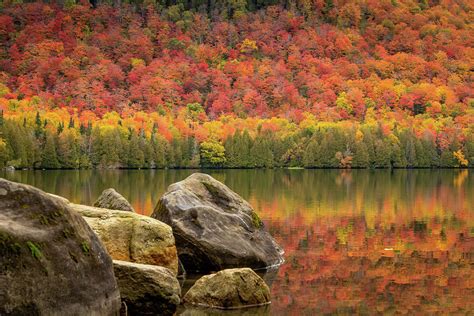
[[355, 240], [341, 265], [312, 193]]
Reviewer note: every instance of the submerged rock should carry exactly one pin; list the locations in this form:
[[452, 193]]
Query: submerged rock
[[147, 289], [132, 237], [51, 263], [113, 200], [214, 227], [228, 289], [193, 310]]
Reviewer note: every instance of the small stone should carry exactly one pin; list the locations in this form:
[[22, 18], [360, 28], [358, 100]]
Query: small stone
[[111, 199]]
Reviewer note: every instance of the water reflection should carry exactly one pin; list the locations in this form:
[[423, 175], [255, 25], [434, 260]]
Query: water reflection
[[360, 241]]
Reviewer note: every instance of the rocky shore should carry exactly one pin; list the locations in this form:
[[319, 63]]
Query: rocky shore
[[58, 257]]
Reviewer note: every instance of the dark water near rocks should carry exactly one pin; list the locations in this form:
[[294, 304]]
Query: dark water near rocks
[[358, 241]]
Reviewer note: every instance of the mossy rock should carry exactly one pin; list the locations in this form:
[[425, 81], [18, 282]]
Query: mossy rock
[[229, 289], [147, 289], [111, 199], [43, 267]]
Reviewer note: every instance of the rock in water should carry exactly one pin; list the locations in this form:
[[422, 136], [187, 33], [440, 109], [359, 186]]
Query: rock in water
[[147, 289], [214, 227], [113, 200], [227, 289], [132, 237], [51, 263]]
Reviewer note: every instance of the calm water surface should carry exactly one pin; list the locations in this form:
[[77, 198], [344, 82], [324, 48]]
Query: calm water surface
[[356, 241]]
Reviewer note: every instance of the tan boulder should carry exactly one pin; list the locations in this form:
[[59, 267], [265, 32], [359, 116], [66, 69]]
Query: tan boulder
[[132, 237]]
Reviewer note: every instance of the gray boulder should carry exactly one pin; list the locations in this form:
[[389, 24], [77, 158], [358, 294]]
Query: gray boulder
[[214, 227], [132, 237], [113, 200], [147, 289], [229, 289], [51, 263]]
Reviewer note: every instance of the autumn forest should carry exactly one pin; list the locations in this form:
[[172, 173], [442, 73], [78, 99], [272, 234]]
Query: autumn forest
[[237, 84]]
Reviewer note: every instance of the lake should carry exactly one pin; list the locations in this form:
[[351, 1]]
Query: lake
[[356, 241]]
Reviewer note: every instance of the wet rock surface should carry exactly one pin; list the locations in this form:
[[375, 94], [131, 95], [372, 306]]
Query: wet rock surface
[[229, 289], [147, 289]]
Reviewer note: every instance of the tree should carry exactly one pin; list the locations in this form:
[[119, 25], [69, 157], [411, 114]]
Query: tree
[[382, 154], [261, 153], [3, 153], [462, 161], [49, 157], [135, 157], [159, 146], [212, 154], [39, 126], [311, 154], [68, 153]]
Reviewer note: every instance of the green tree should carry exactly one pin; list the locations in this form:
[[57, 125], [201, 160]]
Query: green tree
[[311, 154], [261, 153], [49, 157], [212, 154], [68, 152], [4, 155], [159, 145], [136, 158]]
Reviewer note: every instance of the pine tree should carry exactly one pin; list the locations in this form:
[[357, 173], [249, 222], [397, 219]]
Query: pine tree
[[242, 149], [60, 128], [382, 154], [4, 154], [71, 122], [39, 130], [68, 154], [159, 145], [136, 157], [361, 155], [311, 154], [261, 153], [49, 157], [397, 158]]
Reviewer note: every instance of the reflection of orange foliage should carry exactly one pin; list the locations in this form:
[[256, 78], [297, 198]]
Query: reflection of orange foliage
[[459, 180], [324, 276]]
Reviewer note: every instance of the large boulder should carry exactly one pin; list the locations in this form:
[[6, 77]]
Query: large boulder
[[147, 289], [113, 200], [132, 237], [51, 262], [228, 289], [214, 227]]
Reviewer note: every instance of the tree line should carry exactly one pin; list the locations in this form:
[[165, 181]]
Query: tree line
[[81, 147]]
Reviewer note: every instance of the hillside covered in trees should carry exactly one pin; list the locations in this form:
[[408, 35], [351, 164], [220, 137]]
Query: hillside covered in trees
[[257, 83]]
